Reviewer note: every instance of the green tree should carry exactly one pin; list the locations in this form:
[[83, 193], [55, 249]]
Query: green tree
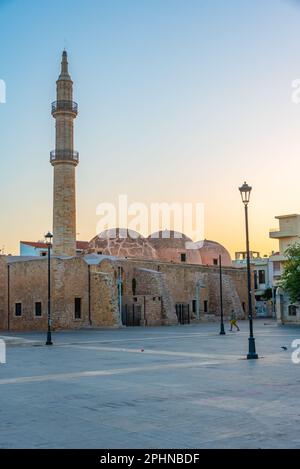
[[290, 279], [268, 294]]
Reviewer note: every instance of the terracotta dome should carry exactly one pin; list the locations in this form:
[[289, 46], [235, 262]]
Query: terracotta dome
[[210, 252], [173, 246], [121, 242]]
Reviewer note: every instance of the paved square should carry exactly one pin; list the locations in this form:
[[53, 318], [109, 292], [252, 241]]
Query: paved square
[[167, 387]]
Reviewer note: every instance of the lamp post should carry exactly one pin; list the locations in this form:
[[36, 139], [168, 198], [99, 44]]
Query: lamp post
[[48, 238], [245, 191], [222, 330]]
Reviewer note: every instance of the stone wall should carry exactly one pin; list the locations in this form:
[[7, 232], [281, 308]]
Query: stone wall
[[188, 285], [28, 285], [64, 210], [70, 280], [159, 287], [3, 294], [104, 296]]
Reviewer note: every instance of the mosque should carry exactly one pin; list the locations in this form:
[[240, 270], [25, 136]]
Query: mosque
[[119, 278]]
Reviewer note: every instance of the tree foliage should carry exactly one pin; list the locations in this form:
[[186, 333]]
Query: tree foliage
[[290, 279], [268, 294]]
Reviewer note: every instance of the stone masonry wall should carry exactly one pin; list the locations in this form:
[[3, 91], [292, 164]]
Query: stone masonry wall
[[70, 281], [28, 285], [3, 294], [159, 287], [64, 210], [187, 284], [104, 298]]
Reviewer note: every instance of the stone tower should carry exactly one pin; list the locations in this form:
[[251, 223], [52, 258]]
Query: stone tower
[[64, 161]]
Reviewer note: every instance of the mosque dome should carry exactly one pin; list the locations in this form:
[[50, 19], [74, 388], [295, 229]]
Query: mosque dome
[[173, 246], [210, 252], [122, 242]]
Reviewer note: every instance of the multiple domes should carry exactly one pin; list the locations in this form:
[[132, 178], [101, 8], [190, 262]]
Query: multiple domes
[[167, 246]]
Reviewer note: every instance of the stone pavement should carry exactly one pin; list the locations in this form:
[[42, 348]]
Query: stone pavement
[[167, 387]]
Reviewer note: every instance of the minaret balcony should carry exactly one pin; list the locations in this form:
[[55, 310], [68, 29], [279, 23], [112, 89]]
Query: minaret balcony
[[64, 156], [64, 106]]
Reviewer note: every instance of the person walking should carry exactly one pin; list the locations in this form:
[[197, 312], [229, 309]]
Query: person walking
[[233, 321]]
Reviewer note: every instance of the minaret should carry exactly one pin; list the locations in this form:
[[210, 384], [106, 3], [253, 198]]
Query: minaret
[[64, 161]]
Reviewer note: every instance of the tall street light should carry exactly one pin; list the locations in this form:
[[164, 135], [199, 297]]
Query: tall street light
[[222, 330], [48, 238], [245, 191]]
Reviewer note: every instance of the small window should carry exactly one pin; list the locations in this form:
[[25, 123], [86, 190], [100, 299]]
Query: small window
[[205, 306], [183, 257], [134, 286], [244, 306], [135, 300], [99, 253], [18, 309], [215, 262], [154, 298], [38, 309], [255, 280], [43, 254], [292, 310], [77, 308], [194, 306], [261, 276]]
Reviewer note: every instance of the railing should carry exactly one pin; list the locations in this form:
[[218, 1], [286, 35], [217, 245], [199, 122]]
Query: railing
[[64, 106], [64, 155]]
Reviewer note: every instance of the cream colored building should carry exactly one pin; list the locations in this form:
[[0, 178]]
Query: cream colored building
[[287, 234]]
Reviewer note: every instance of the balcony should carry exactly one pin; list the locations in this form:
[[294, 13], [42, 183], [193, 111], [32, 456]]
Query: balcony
[[275, 233], [64, 106], [64, 155]]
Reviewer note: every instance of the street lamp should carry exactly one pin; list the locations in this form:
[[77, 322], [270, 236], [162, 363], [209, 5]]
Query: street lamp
[[245, 191], [222, 330], [48, 238]]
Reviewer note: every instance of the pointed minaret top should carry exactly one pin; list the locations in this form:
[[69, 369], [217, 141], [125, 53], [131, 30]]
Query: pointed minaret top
[[64, 67]]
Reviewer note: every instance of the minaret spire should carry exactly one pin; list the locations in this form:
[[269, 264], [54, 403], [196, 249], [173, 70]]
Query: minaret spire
[[64, 67], [64, 161]]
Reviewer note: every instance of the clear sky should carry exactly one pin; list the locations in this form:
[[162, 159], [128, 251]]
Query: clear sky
[[180, 101]]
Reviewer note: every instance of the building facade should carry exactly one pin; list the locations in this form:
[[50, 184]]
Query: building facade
[[287, 234], [265, 294], [103, 291]]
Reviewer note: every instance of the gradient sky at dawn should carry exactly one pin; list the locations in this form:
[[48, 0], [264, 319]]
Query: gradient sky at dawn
[[180, 101]]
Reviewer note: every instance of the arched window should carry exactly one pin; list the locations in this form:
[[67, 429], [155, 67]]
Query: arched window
[[134, 286]]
